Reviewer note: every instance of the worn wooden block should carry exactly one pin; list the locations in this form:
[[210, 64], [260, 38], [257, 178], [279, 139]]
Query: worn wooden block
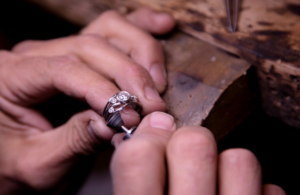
[[207, 86], [268, 37]]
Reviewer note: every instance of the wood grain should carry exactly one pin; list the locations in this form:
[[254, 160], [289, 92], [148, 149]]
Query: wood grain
[[207, 86]]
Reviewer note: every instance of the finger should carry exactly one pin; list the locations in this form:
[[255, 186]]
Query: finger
[[192, 161], [239, 173], [152, 21], [134, 41], [144, 18], [65, 74], [84, 134], [271, 189], [33, 120], [27, 45], [100, 56], [10, 124], [151, 50], [138, 165]]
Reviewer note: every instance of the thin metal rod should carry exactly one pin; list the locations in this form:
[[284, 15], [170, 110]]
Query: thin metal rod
[[232, 8], [125, 129], [235, 14], [227, 5]]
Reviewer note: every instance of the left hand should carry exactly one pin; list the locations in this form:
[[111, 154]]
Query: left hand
[[112, 50]]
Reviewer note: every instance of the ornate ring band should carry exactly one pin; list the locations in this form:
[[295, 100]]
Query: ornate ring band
[[119, 101], [116, 103]]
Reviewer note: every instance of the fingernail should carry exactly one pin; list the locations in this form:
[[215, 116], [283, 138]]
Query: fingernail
[[152, 94], [158, 74], [162, 120], [98, 130]]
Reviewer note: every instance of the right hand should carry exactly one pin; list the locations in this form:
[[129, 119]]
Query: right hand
[[160, 158]]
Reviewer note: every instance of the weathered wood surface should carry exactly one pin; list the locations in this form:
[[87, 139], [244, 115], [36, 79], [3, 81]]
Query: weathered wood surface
[[268, 36], [266, 29], [211, 90]]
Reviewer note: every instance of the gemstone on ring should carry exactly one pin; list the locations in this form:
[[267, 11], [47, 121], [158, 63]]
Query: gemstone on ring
[[113, 100], [117, 103], [111, 110], [133, 97], [123, 96]]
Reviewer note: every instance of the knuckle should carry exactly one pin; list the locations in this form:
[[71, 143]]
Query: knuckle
[[7, 59], [5, 54], [133, 69], [89, 40], [193, 142], [238, 158], [137, 71], [65, 60], [62, 62], [60, 69], [24, 45]]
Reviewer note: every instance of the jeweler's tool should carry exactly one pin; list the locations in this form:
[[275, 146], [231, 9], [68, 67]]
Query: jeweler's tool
[[232, 9]]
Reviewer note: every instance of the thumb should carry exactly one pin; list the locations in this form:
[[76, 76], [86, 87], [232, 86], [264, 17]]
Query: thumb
[[83, 134], [52, 154]]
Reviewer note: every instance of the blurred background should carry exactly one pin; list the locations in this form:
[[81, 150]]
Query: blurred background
[[275, 144]]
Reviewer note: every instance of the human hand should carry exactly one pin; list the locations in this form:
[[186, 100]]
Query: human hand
[[159, 159], [92, 67]]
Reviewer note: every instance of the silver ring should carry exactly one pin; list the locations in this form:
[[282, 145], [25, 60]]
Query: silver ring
[[117, 103]]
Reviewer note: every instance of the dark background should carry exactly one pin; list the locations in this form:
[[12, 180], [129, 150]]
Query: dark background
[[274, 143]]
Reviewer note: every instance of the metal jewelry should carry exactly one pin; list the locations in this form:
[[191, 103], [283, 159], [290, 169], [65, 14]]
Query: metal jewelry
[[116, 104]]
